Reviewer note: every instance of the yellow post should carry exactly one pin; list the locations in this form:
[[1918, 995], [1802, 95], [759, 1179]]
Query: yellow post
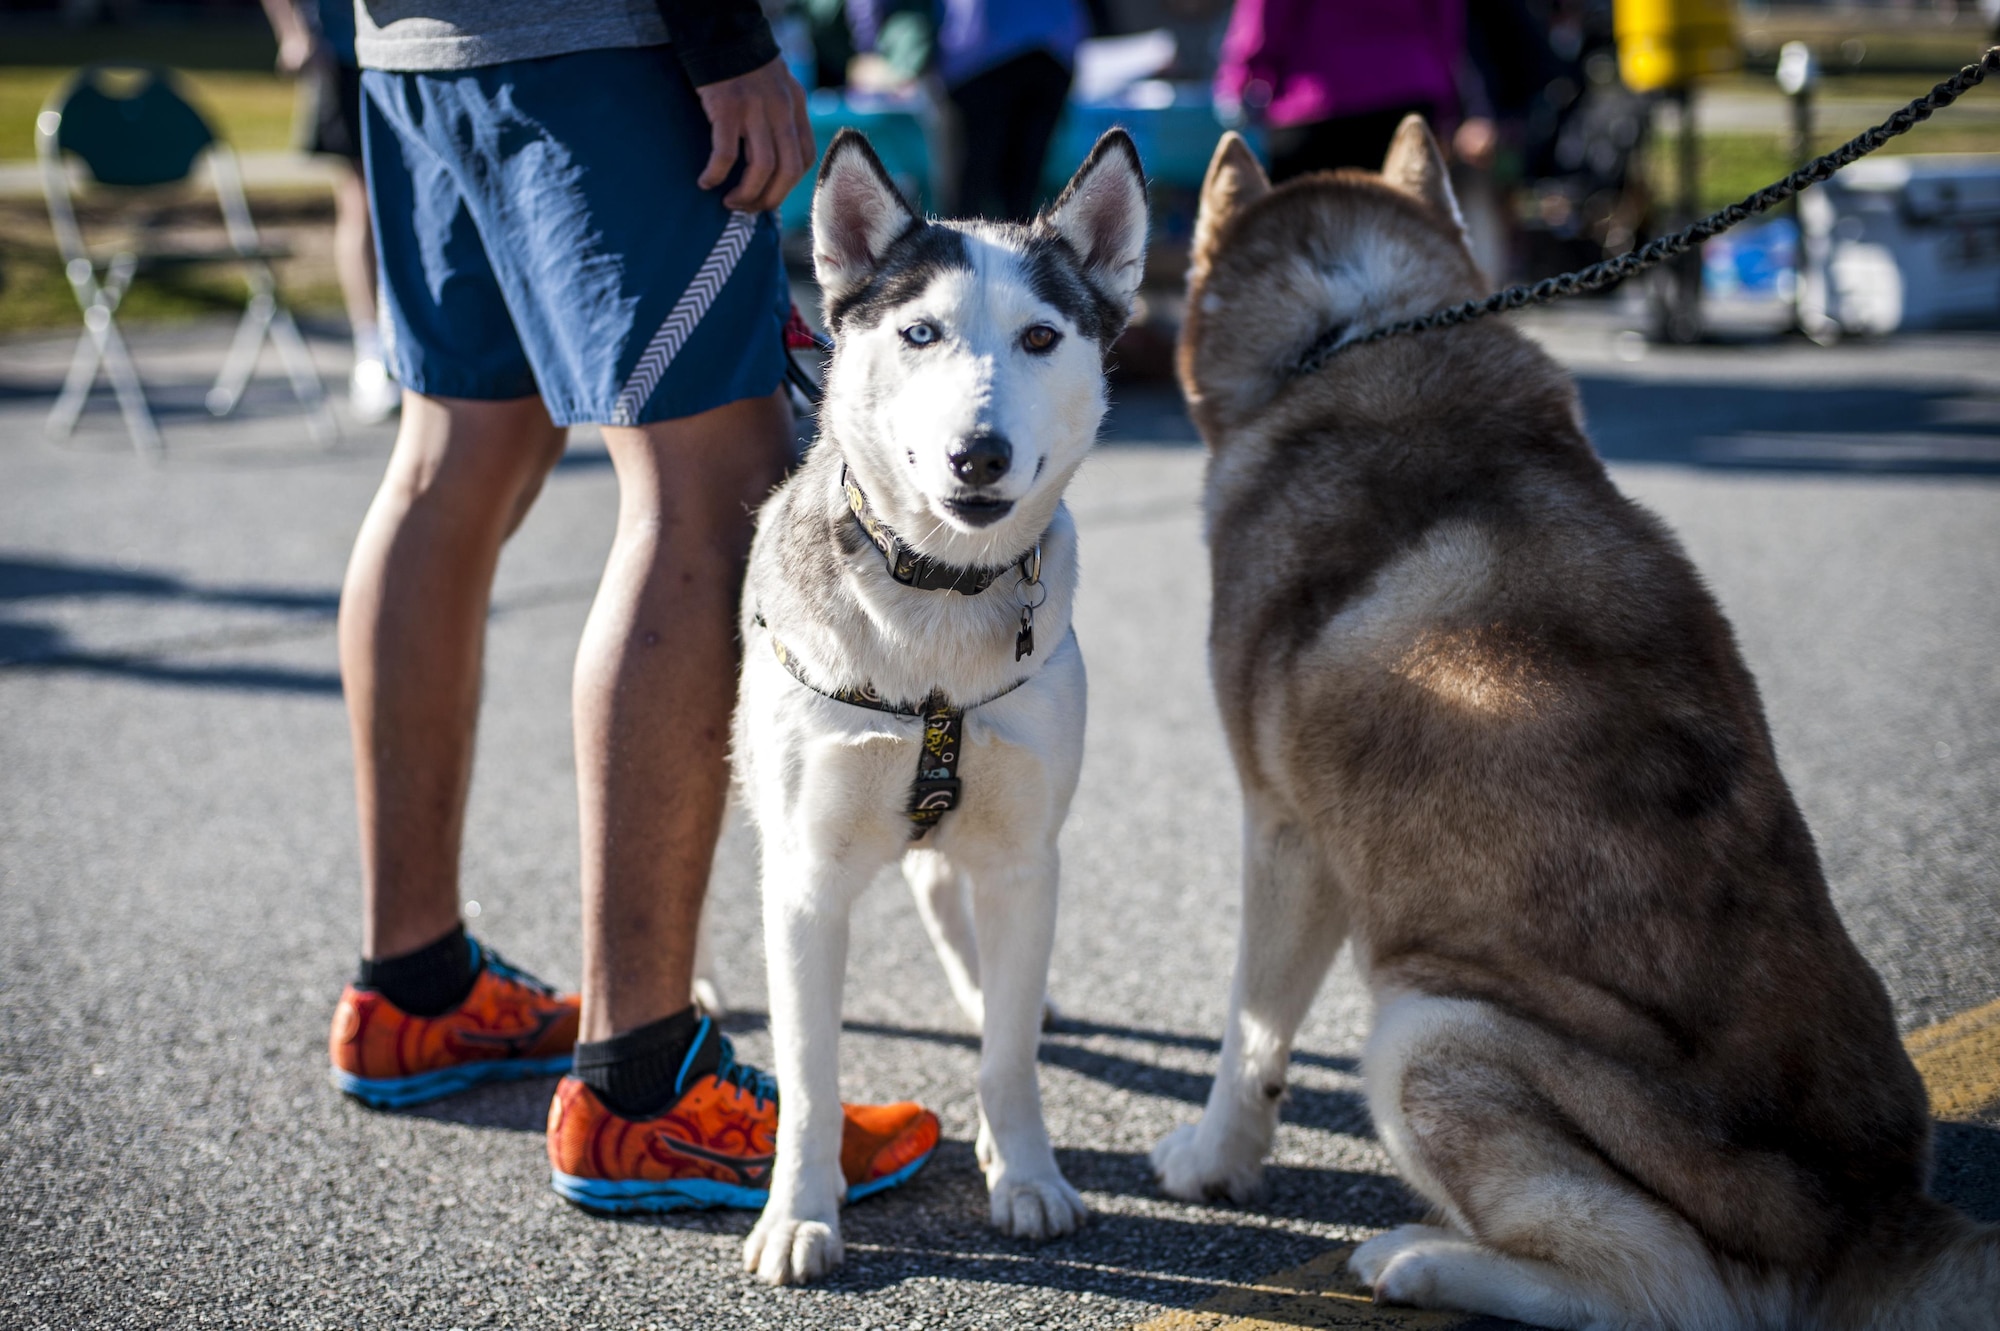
[[1671, 43], [1664, 46]]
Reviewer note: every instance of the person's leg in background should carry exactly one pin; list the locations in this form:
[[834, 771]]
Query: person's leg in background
[[983, 103], [1040, 86], [371, 390], [1360, 140], [1007, 116]]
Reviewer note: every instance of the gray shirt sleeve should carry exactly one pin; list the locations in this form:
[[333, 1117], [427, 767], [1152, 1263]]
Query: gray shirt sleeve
[[430, 35]]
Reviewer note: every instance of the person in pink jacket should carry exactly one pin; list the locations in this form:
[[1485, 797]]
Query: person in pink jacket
[[1331, 79]]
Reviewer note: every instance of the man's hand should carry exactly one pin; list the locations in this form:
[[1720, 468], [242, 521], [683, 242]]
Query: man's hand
[[296, 47], [760, 116], [1475, 142], [296, 50]]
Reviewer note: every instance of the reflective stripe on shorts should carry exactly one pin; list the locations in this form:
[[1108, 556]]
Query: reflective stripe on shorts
[[687, 312]]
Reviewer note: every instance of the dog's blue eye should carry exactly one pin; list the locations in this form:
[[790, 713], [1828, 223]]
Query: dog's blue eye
[[920, 335], [1040, 338]]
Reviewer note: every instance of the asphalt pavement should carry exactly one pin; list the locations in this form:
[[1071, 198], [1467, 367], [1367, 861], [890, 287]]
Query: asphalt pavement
[[179, 902]]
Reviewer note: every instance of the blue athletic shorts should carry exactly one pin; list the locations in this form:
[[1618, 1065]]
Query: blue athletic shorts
[[540, 231]]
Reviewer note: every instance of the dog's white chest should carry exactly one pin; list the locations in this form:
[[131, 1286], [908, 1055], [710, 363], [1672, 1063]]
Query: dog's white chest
[[834, 774]]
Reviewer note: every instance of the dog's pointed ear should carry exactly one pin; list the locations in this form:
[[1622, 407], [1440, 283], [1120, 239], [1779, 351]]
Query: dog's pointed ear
[[1416, 167], [1235, 180], [1102, 214], [857, 215]]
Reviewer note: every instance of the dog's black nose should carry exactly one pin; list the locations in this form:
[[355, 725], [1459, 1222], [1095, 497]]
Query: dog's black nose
[[982, 459]]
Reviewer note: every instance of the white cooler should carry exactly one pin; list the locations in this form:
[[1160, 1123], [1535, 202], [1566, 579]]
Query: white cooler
[[1902, 243]]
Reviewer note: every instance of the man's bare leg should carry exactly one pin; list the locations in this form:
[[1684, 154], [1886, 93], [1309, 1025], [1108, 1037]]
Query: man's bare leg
[[412, 632], [655, 685]]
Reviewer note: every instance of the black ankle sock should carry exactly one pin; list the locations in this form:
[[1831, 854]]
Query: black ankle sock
[[636, 1074], [428, 982]]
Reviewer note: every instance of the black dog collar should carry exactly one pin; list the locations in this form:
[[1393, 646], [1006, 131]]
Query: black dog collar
[[908, 567]]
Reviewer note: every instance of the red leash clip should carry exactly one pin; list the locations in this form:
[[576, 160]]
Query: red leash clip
[[798, 336]]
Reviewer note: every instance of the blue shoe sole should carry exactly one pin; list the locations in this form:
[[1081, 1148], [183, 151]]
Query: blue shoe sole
[[402, 1092], [624, 1196]]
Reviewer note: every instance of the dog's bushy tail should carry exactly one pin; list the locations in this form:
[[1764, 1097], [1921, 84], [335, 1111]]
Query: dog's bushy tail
[[1943, 1276], [1961, 1286]]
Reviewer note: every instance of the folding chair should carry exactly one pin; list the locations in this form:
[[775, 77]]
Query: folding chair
[[137, 135]]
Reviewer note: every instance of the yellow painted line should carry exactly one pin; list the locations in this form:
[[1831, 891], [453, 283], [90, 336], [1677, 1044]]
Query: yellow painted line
[[1959, 1060]]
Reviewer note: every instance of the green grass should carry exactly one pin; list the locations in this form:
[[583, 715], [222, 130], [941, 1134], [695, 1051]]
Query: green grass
[[227, 67], [227, 62], [35, 296], [1912, 40], [253, 111], [1734, 166]]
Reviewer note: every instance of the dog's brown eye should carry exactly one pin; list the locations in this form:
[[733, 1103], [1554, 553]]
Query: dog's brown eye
[[1040, 338]]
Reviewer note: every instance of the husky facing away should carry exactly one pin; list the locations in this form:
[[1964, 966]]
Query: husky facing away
[[907, 615], [1490, 726]]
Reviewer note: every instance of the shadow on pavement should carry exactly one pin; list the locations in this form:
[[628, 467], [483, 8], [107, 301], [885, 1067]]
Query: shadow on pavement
[[1152, 1258], [243, 678], [1328, 1196], [31, 579], [1148, 413], [510, 1106], [1080, 1026], [42, 645], [1966, 1168], [936, 1226], [1735, 426], [170, 397], [1327, 1110], [1161, 1259], [1719, 426]]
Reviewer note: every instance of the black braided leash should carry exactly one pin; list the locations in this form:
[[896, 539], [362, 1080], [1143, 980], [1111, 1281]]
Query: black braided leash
[[1600, 275]]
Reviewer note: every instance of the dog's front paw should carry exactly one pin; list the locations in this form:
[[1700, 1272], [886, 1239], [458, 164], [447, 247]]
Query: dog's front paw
[[1195, 1170], [1393, 1265], [790, 1250], [1036, 1208]]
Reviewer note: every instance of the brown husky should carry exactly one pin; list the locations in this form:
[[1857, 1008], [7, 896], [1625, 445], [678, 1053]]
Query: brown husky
[[1491, 726]]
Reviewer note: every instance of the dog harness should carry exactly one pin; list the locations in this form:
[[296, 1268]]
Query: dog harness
[[936, 789]]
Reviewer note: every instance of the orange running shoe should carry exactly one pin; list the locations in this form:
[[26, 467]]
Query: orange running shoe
[[715, 1144], [510, 1026]]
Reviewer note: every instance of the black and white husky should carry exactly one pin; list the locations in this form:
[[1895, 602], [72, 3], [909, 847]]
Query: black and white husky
[[911, 689]]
